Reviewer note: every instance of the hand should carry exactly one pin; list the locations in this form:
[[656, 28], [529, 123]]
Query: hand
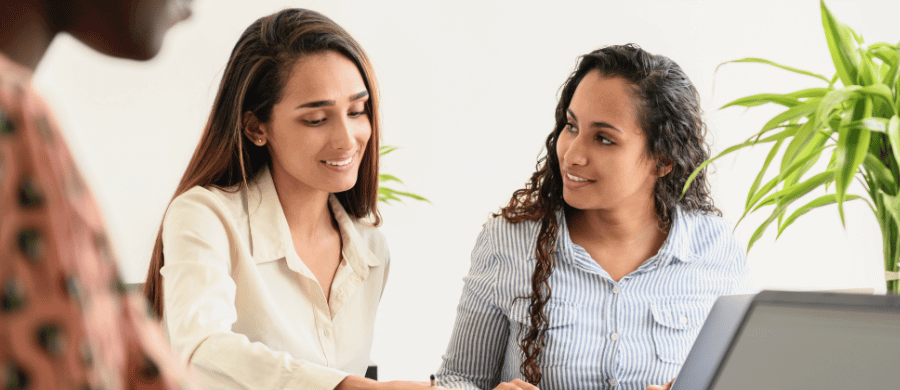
[[516, 384], [403, 385], [359, 383], [666, 386]]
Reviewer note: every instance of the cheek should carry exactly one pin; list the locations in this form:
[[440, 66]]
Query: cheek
[[363, 134], [562, 145]]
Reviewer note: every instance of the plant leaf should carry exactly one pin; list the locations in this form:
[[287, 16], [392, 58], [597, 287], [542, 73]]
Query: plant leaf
[[892, 204], [787, 195], [394, 194], [803, 109], [880, 173], [764, 98], [886, 52], [853, 144], [384, 177], [818, 202], [832, 100], [813, 148], [843, 54], [872, 124], [785, 67], [762, 171], [385, 149], [893, 133], [878, 90], [809, 93], [779, 210], [752, 141], [804, 135]]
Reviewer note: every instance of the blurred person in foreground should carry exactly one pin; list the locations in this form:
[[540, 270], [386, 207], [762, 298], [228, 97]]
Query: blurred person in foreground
[[66, 320]]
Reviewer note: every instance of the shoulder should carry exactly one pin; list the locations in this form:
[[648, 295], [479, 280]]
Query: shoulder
[[710, 236], [206, 197], [508, 232], [200, 204], [371, 237], [510, 239], [706, 225]]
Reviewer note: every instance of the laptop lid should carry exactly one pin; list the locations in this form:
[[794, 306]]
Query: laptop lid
[[712, 342], [814, 340]]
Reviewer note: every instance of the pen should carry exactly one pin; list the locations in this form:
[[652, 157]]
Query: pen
[[433, 381]]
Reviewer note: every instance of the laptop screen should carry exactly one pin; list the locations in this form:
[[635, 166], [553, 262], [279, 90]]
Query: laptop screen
[[783, 346]]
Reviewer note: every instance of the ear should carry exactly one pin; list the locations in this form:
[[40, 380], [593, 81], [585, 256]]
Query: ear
[[255, 130], [663, 167]]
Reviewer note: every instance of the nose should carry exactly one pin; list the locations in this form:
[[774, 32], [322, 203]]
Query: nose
[[574, 153], [342, 135]]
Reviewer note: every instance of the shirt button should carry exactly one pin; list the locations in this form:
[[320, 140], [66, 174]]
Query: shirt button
[[614, 336], [683, 320], [613, 382], [325, 332], [616, 289]]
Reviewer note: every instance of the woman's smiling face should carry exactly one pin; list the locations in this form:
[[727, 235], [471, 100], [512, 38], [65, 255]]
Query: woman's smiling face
[[602, 151], [319, 130]]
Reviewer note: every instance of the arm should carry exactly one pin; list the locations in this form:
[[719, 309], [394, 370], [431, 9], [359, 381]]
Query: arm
[[201, 247], [476, 351]]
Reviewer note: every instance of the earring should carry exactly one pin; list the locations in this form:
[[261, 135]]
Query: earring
[[259, 141]]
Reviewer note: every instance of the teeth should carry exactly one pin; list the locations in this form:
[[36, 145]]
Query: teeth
[[339, 163], [574, 178]]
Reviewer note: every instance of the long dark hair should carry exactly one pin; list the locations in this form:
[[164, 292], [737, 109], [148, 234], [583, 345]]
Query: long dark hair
[[253, 82], [670, 115]]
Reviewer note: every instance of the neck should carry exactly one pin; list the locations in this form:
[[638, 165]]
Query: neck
[[305, 208], [621, 226], [25, 38]]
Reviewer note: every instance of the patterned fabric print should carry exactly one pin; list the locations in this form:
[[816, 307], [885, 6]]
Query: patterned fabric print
[[65, 320]]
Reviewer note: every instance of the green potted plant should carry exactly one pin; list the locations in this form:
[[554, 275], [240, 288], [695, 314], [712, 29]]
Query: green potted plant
[[853, 116], [387, 195]]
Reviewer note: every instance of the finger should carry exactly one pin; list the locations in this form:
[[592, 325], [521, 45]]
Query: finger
[[523, 385]]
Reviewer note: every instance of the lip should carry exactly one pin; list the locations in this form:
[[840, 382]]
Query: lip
[[339, 164], [572, 184]]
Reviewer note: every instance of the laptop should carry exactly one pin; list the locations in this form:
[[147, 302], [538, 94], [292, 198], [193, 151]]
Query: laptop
[[799, 340], [712, 342]]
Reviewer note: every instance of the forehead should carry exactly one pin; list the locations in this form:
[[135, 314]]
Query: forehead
[[605, 99], [323, 76]]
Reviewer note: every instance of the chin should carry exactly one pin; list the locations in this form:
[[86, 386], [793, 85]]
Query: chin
[[578, 202], [344, 186]]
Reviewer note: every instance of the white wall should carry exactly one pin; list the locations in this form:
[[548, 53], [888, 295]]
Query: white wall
[[469, 89]]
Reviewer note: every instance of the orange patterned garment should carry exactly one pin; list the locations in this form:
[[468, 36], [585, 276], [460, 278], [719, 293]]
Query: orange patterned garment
[[66, 320]]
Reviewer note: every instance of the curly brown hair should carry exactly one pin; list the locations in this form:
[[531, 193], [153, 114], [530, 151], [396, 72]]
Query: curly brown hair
[[670, 115]]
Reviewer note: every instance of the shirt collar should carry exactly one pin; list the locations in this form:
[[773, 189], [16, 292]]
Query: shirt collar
[[271, 237], [676, 247]]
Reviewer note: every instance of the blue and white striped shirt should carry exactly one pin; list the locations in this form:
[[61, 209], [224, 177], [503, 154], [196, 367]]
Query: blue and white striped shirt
[[602, 334]]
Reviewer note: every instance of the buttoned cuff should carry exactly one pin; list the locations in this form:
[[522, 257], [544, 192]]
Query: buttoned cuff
[[314, 376]]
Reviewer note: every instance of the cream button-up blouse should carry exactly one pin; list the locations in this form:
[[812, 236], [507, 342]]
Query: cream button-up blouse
[[243, 309]]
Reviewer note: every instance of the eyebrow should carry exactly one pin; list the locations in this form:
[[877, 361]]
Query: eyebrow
[[325, 103], [599, 125]]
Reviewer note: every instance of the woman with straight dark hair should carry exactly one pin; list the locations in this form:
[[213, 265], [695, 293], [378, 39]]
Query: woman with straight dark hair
[[598, 274], [268, 267]]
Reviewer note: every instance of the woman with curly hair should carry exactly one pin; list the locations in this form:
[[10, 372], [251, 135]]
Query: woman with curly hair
[[599, 274]]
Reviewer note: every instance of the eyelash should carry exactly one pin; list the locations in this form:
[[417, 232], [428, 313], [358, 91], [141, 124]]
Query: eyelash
[[354, 114], [603, 140]]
